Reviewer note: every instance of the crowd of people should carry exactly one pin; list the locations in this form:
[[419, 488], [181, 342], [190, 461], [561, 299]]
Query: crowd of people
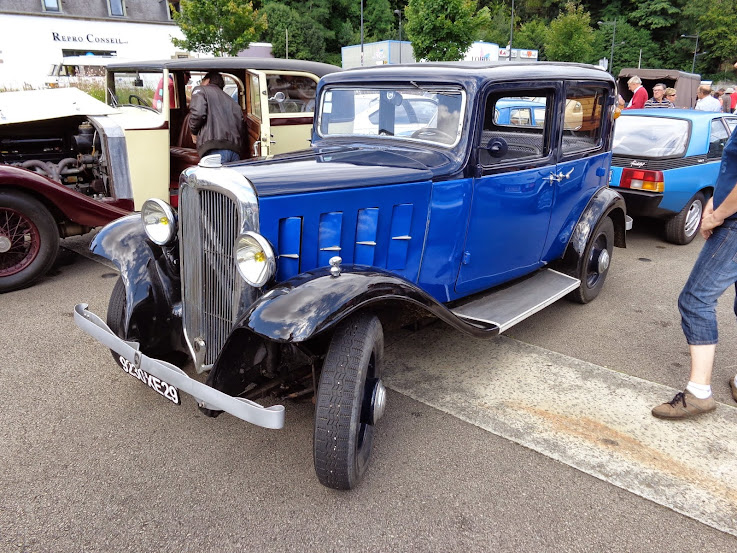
[[722, 100]]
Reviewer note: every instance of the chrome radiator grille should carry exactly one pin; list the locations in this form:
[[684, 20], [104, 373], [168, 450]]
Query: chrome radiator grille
[[211, 286]]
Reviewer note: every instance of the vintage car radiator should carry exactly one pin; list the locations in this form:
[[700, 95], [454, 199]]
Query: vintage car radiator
[[212, 289]]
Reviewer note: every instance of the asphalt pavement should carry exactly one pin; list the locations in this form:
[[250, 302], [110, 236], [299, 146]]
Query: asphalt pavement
[[91, 460]]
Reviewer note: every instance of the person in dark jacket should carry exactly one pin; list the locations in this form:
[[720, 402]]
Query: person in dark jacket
[[216, 120]]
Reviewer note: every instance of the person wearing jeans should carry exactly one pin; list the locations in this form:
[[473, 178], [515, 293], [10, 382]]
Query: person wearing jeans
[[715, 270]]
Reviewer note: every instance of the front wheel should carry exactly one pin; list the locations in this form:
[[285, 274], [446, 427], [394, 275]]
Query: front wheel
[[29, 240], [595, 263], [115, 318], [350, 400], [682, 228]]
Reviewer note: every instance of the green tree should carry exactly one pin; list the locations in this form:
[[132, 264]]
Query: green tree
[[531, 36], [380, 23], [442, 30], [218, 26], [633, 47], [717, 25], [305, 37], [570, 37], [495, 27]]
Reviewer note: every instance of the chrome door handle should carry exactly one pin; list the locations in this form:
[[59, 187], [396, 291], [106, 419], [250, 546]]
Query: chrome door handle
[[256, 147], [552, 177], [567, 175]]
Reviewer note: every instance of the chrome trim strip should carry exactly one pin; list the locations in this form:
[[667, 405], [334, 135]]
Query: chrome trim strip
[[244, 409]]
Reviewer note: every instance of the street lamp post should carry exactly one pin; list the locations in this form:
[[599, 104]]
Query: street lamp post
[[511, 32], [614, 33], [695, 49], [399, 13], [361, 33]]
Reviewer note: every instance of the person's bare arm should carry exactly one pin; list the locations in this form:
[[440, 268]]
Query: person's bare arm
[[712, 218]]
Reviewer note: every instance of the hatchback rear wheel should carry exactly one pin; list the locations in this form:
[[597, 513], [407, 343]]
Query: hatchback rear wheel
[[682, 228]]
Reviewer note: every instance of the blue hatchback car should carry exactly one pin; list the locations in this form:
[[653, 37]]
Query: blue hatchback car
[[665, 163], [414, 201]]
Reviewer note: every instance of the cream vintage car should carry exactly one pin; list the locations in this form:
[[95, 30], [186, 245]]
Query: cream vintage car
[[69, 163]]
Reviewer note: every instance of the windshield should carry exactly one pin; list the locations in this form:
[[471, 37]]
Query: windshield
[[136, 89], [642, 136], [414, 112]]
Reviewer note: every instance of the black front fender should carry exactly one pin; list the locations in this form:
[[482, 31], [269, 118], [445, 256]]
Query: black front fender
[[151, 277], [310, 303]]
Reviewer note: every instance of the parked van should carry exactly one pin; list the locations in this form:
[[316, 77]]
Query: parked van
[[74, 69]]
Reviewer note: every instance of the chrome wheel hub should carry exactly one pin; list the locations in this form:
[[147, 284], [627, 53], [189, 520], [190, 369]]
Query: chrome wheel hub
[[4, 244], [378, 402], [604, 260]]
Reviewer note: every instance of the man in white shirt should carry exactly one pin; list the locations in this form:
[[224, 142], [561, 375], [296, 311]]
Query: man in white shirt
[[706, 101]]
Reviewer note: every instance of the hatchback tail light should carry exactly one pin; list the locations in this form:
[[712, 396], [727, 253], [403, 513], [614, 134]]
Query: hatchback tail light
[[641, 179]]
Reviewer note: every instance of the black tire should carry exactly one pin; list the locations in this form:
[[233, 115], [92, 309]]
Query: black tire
[[29, 240], [344, 431], [683, 227], [595, 265], [116, 313]]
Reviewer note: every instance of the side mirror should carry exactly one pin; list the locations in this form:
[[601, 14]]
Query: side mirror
[[497, 147], [278, 97]]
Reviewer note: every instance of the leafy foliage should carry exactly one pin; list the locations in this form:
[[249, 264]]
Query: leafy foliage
[[570, 37], [442, 30], [302, 35], [218, 26], [648, 32]]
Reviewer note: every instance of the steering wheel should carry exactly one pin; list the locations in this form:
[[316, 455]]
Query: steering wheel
[[435, 135], [139, 100]]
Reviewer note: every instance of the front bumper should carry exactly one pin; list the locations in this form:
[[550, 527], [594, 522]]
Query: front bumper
[[207, 397]]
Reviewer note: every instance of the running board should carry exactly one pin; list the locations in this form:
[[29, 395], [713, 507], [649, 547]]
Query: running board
[[507, 307]]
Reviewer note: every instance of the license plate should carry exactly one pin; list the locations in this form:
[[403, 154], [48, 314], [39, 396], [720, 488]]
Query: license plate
[[154, 382]]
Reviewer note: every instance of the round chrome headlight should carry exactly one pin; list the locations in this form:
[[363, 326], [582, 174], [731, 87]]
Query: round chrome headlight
[[254, 258], [159, 221]]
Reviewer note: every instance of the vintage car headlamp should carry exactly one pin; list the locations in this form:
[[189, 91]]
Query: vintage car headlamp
[[159, 221], [255, 259]]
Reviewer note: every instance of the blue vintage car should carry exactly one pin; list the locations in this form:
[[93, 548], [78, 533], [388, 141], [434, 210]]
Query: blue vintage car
[[665, 163], [280, 275]]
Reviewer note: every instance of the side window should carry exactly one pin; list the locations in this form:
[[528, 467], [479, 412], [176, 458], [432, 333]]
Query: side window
[[51, 5], [510, 133], [717, 139], [297, 93], [583, 120], [731, 123], [254, 97], [116, 8]]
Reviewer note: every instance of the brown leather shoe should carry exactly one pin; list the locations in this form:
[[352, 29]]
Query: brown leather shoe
[[685, 405], [733, 388]]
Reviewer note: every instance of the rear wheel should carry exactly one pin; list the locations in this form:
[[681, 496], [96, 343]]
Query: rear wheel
[[682, 228], [595, 263], [29, 240], [350, 400]]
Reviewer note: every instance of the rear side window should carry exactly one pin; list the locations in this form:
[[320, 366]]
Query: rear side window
[[297, 93], [717, 139], [641, 136], [583, 120], [516, 127]]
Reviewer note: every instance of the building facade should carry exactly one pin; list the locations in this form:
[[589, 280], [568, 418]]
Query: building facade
[[36, 35]]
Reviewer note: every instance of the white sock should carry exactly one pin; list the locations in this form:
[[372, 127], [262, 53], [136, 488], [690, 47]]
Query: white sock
[[735, 380], [701, 391]]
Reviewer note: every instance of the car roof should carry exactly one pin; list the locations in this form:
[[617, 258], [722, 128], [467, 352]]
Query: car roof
[[226, 64], [467, 71], [689, 114]]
